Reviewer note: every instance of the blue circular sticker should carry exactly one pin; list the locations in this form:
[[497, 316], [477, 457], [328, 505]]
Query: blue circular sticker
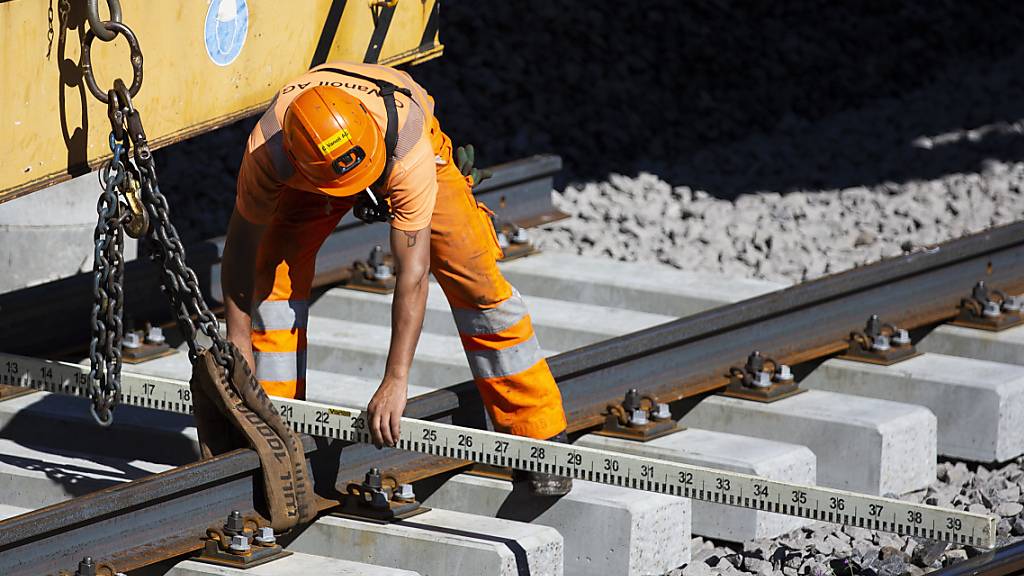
[[227, 23]]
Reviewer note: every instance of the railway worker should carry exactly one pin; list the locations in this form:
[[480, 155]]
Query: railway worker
[[356, 136]]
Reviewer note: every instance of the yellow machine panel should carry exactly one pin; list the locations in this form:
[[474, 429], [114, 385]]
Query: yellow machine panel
[[206, 64]]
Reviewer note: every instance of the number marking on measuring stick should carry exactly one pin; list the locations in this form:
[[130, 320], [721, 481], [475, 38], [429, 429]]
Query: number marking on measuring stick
[[606, 467]]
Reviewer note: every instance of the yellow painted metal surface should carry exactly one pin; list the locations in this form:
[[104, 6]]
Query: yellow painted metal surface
[[52, 127]]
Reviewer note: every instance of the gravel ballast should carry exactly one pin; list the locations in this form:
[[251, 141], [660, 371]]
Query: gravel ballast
[[826, 549], [793, 237], [814, 198]]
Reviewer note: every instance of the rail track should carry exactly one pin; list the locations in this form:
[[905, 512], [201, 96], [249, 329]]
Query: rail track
[[166, 515]]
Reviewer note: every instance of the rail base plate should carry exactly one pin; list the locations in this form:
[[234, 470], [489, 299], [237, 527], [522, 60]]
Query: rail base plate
[[363, 284], [212, 554], [490, 471], [881, 358], [999, 323], [656, 429], [145, 353], [766, 395], [515, 251], [395, 511], [8, 392]]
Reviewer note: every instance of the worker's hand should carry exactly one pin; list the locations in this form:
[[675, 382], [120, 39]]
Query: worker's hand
[[465, 157], [384, 412]]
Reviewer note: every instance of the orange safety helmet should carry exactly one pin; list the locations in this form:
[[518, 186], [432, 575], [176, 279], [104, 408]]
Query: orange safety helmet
[[333, 141]]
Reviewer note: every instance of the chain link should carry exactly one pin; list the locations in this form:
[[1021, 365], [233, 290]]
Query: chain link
[[97, 26], [108, 293], [131, 199]]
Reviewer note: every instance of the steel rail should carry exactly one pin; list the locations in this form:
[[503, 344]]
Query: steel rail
[[679, 359], [1004, 561]]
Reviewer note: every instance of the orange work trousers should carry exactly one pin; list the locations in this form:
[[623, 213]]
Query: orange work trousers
[[513, 377]]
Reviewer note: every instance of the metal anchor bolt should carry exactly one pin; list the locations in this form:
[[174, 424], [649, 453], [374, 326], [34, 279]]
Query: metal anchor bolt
[[661, 412], [381, 270], [239, 544], [761, 379], [980, 291], [520, 236], [1013, 304], [991, 310], [880, 343], [638, 417], [265, 536], [901, 337], [783, 375], [404, 493], [131, 340], [373, 479], [87, 567], [873, 327], [503, 240], [632, 400], [155, 335], [235, 524]]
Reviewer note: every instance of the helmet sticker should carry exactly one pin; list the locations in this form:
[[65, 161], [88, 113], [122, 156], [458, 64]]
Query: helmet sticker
[[335, 140]]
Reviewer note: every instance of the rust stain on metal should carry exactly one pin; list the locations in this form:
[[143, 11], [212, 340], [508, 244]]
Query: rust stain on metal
[[8, 392]]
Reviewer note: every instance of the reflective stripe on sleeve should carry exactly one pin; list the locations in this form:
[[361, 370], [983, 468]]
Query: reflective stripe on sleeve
[[504, 362], [471, 322], [280, 366], [280, 315], [282, 165]]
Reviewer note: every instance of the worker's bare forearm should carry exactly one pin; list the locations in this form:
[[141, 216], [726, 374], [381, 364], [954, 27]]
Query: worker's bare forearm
[[237, 280], [412, 259]]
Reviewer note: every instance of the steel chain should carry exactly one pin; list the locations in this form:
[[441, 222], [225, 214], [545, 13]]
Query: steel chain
[[131, 199], [180, 283], [92, 14], [108, 294]]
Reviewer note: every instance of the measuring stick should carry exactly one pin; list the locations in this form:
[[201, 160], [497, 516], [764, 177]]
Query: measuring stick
[[604, 466]]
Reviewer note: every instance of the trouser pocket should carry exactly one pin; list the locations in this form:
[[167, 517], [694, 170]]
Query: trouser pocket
[[487, 215]]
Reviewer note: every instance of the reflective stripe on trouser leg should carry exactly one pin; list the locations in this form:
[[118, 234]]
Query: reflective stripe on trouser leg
[[279, 346], [514, 380], [525, 404], [491, 320], [280, 315], [284, 275], [280, 357]]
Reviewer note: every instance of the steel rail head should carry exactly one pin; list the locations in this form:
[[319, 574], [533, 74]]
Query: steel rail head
[[1004, 561]]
